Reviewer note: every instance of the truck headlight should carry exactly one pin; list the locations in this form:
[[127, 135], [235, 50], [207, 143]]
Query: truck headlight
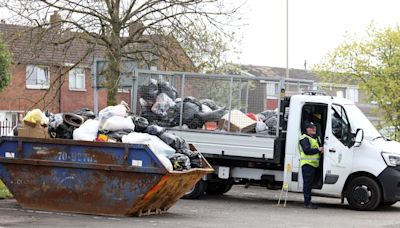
[[391, 159]]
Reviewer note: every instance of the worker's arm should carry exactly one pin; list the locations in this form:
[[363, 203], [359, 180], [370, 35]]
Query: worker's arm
[[306, 146]]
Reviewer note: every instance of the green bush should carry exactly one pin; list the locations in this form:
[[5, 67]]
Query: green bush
[[4, 193]]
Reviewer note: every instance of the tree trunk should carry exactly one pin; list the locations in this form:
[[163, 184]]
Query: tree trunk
[[112, 76], [114, 55]]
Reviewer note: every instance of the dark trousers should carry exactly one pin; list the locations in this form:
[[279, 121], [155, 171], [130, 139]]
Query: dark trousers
[[308, 177]]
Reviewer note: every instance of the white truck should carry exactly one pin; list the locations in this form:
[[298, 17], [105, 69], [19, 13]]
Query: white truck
[[358, 163]]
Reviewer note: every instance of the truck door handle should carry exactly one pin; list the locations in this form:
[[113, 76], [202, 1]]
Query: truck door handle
[[332, 150]]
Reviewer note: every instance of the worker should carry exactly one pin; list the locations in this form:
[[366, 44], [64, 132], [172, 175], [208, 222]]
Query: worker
[[310, 148]]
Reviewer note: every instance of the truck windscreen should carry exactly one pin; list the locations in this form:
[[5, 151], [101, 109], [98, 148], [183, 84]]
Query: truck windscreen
[[359, 120]]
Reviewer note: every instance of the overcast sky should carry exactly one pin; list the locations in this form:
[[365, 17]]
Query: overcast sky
[[315, 27]]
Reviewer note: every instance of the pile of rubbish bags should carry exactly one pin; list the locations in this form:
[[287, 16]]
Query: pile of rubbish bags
[[160, 104], [116, 124]]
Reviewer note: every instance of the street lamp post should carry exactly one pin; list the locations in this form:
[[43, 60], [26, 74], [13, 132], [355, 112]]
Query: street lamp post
[[287, 39]]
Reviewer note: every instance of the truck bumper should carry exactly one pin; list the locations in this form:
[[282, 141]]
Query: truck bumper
[[390, 181]]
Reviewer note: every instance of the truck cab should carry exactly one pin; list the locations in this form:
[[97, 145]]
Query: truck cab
[[358, 163]]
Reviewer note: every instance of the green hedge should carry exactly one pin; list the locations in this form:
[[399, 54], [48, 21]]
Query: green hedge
[[4, 193]]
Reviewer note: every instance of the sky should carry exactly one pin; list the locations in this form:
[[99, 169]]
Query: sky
[[315, 28]]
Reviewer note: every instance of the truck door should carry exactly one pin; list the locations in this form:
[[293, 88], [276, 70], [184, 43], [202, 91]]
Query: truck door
[[316, 113], [337, 150]]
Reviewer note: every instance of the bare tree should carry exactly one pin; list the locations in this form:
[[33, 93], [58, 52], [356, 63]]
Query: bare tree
[[147, 30]]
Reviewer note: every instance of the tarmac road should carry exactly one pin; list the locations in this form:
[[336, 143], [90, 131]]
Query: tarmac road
[[253, 207]]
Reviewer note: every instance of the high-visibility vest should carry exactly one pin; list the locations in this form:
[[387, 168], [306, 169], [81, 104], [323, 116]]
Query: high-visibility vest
[[306, 159]]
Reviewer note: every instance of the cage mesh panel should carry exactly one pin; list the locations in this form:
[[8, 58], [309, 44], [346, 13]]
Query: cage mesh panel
[[240, 97]]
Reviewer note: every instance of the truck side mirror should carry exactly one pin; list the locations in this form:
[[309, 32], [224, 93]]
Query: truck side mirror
[[359, 137]]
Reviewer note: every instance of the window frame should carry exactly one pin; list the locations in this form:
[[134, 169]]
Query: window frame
[[34, 70], [347, 141], [267, 89], [73, 73]]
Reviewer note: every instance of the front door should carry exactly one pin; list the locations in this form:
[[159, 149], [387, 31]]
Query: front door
[[337, 150]]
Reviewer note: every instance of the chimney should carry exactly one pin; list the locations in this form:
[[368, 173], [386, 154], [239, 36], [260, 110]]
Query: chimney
[[55, 20], [136, 29]]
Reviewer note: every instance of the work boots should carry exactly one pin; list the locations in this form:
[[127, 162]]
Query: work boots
[[310, 206]]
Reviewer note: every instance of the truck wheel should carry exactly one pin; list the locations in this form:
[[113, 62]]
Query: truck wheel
[[218, 188], [197, 191], [363, 194]]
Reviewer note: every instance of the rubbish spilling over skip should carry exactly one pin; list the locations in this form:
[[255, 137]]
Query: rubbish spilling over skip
[[114, 124]]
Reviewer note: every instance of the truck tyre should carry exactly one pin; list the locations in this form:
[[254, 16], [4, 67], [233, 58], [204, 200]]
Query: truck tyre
[[363, 194], [218, 188], [197, 191]]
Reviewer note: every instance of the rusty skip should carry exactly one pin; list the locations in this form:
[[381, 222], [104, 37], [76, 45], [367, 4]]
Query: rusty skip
[[91, 177]]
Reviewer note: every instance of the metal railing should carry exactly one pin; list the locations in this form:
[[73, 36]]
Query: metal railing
[[6, 128]]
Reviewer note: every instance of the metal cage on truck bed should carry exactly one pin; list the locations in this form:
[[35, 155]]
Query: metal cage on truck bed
[[91, 177], [246, 94]]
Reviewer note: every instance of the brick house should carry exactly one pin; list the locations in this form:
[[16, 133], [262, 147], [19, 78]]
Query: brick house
[[270, 89], [53, 71]]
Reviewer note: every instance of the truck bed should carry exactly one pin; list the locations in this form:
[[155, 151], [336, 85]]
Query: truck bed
[[248, 146]]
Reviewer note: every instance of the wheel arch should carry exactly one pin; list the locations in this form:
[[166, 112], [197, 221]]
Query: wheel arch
[[361, 174]]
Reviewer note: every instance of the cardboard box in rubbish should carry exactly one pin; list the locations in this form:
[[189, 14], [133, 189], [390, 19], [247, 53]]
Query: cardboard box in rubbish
[[30, 124], [33, 132], [239, 122]]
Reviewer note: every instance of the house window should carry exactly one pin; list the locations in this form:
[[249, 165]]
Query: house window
[[37, 77], [352, 94], [272, 89], [77, 79]]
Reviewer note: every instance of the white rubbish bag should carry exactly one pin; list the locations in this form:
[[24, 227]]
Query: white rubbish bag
[[261, 126], [135, 138], [115, 123], [87, 131], [155, 144], [117, 110], [166, 162], [163, 103]]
